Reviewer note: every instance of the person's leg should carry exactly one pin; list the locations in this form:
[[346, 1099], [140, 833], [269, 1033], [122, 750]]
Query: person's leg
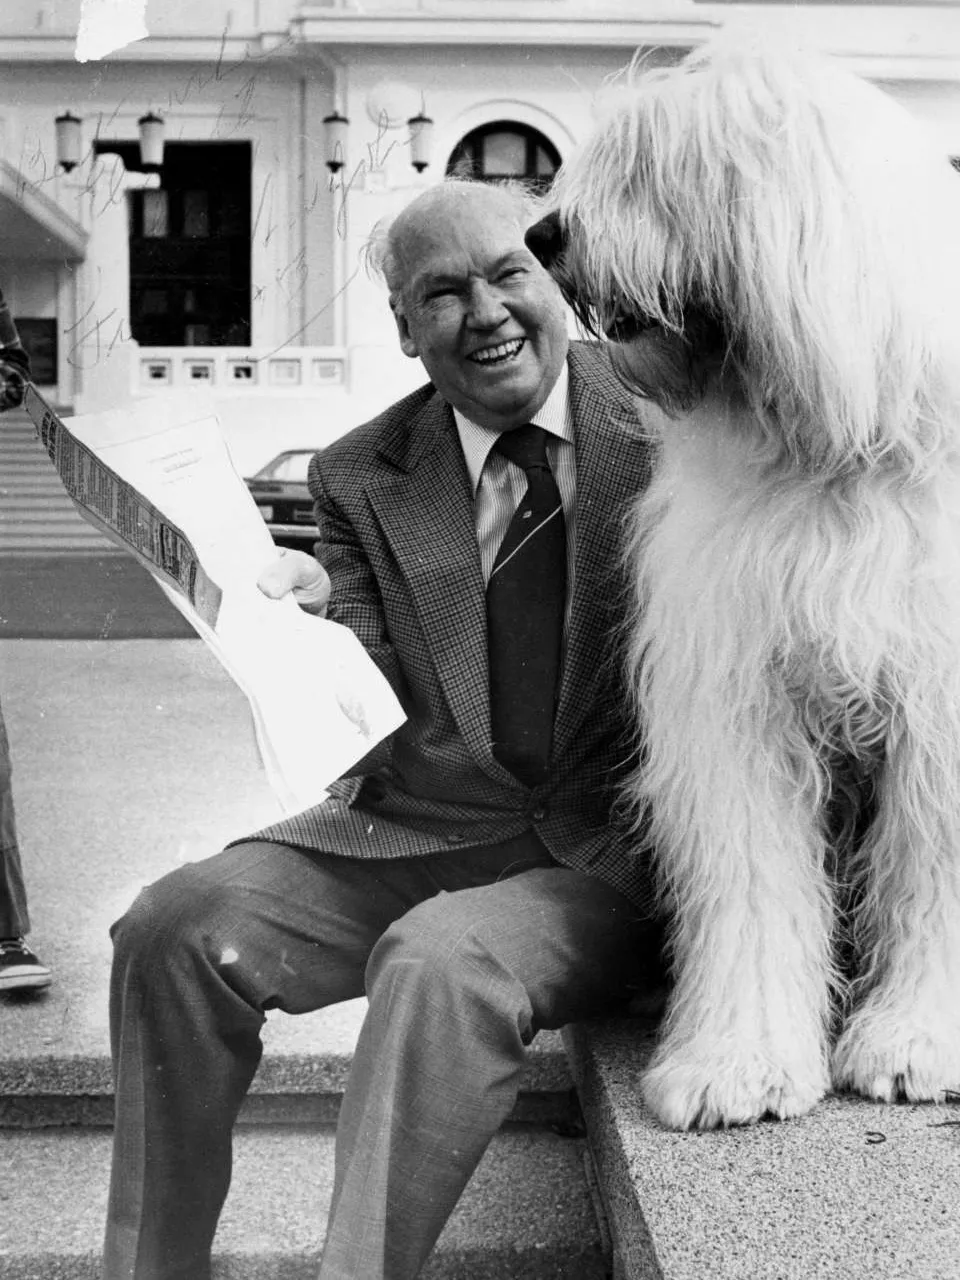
[[14, 917], [458, 987], [20, 968], [199, 957]]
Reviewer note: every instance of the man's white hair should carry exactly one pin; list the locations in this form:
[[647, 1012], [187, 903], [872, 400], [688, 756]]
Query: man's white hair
[[380, 255]]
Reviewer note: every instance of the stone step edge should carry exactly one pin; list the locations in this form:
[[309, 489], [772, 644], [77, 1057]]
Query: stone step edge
[[556, 1110], [280, 1071], [630, 1243], [854, 1188], [526, 1213], [38, 548]]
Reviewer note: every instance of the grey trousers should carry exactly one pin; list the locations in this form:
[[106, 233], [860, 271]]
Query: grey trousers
[[464, 957]]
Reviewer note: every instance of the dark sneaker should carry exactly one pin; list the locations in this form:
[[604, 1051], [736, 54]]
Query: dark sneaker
[[20, 969]]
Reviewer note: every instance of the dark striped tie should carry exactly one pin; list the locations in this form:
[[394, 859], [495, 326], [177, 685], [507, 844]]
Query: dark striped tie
[[525, 607]]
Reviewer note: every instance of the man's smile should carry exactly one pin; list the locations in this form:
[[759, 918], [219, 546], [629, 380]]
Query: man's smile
[[499, 354]]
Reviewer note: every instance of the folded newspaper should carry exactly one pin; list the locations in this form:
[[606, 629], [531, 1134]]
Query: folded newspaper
[[157, 478]]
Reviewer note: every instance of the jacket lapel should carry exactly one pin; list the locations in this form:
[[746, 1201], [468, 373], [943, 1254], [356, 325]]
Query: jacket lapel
[[614, 460], [425, 508]]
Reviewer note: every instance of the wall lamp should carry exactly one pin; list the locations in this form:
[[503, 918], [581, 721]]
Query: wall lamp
[[421, 137], [151, 130], [335, 128], [335, 140]]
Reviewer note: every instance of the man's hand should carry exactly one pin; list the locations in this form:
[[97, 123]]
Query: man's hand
[[300, 573]]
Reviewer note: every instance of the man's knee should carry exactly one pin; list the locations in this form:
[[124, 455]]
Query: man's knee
[[166, 916], [440, 955]]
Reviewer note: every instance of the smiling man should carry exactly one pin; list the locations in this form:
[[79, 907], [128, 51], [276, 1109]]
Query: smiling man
[[471, 302], [468, 878]]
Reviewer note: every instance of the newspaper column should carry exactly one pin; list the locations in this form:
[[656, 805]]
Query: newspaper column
[[104, 354]]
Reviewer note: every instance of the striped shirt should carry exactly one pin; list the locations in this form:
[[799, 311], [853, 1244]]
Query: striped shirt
[[14, 361], [499, 484]]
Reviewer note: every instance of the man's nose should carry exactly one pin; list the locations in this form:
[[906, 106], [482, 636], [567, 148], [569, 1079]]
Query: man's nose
[[487, 306], [545, 239]]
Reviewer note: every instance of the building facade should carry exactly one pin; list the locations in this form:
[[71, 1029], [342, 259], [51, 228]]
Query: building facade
[[238, 266]]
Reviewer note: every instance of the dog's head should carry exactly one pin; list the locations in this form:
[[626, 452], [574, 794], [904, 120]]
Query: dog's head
[[773, 222]]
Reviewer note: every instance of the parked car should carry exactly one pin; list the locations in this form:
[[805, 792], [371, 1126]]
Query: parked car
[[280, 491]]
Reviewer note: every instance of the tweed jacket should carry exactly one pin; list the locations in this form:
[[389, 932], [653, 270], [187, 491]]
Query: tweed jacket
[[398, 539]]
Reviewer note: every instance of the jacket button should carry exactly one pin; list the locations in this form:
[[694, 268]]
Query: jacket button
[[539, 814], [456, 837]]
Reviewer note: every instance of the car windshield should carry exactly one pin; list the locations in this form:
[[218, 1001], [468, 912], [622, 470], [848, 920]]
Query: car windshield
[[288, 466]]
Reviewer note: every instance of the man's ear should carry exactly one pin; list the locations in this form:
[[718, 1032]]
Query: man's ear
[[408, 344]]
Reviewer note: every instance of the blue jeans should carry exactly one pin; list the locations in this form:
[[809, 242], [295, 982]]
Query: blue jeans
[[14, 918], [464, 956]]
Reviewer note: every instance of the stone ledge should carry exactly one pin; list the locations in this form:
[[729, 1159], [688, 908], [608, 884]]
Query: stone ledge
[[558, 1111], [282, 1071], [822, 1196], [525, 1215]]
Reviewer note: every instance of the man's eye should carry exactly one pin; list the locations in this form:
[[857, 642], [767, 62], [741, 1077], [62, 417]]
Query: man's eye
[[512, 273]]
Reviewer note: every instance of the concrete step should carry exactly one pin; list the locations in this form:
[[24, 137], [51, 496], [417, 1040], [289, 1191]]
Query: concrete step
[[26, 456], [33, 545], [55, 1071], [36, 515], [29, 487], [853, 1191], [22, 511], [526, 1213]]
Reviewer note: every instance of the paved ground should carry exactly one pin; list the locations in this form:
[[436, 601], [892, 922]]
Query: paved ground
[[129, 757], [84, 597], [132, 750]]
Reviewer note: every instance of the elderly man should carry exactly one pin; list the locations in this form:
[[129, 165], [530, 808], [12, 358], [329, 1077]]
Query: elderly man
[[468, 879]]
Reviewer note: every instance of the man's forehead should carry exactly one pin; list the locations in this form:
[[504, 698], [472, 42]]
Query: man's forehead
[[456, 248]]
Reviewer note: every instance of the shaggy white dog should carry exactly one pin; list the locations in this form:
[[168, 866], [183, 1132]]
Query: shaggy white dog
[[772, 250]]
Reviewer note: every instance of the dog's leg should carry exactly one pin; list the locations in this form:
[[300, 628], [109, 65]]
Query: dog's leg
[[902, 1039], [734, 786], [741, 858]]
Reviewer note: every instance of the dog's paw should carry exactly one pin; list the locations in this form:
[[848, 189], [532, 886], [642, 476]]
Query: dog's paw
[[895, 1059], [691, 1089]]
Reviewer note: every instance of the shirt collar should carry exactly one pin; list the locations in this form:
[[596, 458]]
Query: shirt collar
[[555, 415]]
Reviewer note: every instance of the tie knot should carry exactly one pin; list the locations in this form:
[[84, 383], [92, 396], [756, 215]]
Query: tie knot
[[526, 446]]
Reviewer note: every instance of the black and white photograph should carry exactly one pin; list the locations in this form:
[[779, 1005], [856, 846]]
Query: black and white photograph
[[479, 640]]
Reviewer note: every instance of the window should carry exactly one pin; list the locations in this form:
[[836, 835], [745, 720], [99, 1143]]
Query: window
[[505, 149], [155, 214], [39, 338]]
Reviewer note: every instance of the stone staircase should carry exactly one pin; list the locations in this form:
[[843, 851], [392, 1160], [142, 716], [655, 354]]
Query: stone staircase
[[36, 516], [527, 1212]]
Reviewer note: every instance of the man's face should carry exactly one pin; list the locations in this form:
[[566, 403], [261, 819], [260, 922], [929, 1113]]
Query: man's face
[[478, 309]]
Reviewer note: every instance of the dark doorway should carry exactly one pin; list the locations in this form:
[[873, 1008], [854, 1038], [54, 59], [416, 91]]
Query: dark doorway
[[190, 246]]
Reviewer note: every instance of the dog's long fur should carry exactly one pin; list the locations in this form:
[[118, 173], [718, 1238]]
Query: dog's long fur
[[790, 239]]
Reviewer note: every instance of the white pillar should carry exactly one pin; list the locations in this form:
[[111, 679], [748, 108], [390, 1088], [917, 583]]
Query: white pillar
[[101, 348]]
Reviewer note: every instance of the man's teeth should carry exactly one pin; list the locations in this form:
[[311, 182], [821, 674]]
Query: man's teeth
[[492, 355]]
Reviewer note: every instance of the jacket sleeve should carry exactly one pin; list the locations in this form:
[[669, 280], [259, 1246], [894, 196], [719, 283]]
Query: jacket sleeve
[[355, 599], [14, 361]]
